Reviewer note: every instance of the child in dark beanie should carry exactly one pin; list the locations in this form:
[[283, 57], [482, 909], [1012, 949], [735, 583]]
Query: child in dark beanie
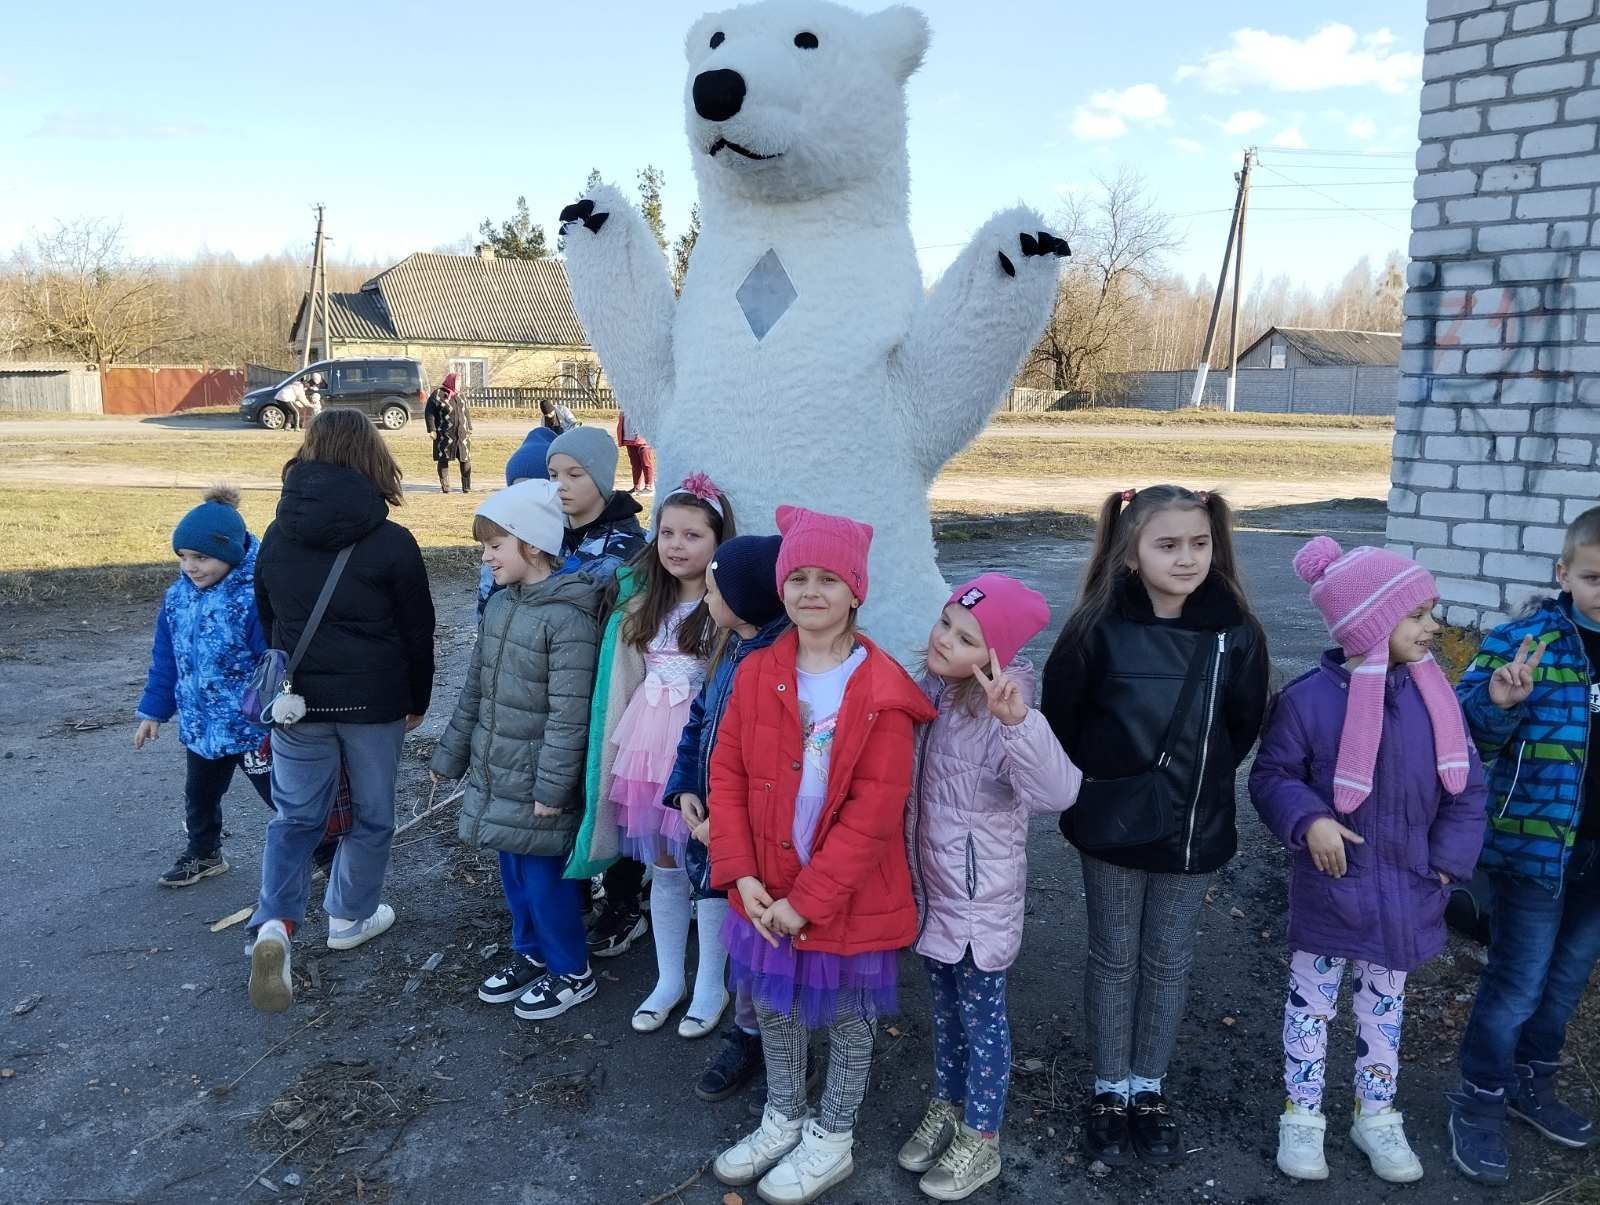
[[207, 641]]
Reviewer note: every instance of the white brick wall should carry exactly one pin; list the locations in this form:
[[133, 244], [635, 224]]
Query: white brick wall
[[1499, 416]]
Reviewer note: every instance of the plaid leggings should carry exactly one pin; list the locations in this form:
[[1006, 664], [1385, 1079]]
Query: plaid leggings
[[784, 1039], [1141, 945]]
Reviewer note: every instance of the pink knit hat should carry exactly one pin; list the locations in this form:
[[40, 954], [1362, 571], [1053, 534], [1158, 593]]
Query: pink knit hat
[[1364, 594], [829, 542], [1008, 612]]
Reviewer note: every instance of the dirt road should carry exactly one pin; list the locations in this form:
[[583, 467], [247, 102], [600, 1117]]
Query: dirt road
[[132, 1068]]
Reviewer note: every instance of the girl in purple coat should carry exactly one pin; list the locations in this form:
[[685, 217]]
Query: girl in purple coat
[[1365, 773], [985, 766]]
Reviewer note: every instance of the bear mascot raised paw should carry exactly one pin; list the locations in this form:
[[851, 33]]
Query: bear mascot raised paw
[[803, 362]]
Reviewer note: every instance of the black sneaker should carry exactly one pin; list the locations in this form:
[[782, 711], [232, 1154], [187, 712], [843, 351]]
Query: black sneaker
[[510, 981], [190, 869], [613, 932], [1157, 1136], [551, 995], [734, 1066], [1105, 1131], [758, 1096]]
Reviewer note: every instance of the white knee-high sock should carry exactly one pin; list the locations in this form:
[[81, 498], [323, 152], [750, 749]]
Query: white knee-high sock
[[669, 921], [710, 992]]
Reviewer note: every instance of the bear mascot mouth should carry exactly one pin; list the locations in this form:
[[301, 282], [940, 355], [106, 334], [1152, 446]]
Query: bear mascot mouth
[[724, 144]]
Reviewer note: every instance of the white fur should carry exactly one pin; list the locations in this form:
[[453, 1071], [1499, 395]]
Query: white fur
[[865, 387]]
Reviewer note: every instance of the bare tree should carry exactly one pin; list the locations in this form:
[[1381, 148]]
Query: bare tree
[[1119, 240], [76, 291]]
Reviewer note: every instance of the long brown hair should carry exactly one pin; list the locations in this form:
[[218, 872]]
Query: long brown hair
[[1116, 547], [348, 438], [697, 633]]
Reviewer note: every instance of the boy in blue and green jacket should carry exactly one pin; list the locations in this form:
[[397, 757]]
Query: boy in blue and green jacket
[[1531, 698]]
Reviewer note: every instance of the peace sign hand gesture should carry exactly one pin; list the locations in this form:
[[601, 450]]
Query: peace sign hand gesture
[[1513, 682], [1006, 703]]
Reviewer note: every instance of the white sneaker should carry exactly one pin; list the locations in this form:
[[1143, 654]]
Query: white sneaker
[[348, 934], [271, 988], [757, 1153], [1300, 1135], [1382, 1137], [805, 1173]]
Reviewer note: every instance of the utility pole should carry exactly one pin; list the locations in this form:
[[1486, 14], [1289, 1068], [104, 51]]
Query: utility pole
[[1238, 281], [311, 298], [1222, 279]]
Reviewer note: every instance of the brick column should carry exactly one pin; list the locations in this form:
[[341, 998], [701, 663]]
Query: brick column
[[1499, 406]]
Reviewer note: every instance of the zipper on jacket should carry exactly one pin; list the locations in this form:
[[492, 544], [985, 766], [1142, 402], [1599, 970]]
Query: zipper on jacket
[[494, 711], [1205, 746], [972, 870], [1516, 773]]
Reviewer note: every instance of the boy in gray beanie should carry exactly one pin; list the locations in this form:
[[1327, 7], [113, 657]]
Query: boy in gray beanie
[[602, 522]]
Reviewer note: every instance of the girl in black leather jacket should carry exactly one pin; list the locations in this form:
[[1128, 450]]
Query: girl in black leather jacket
[[1155, 688]]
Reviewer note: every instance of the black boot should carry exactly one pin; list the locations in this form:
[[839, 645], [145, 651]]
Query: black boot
[[1105, 1132], [735, 1065], [444, 479], [466, 478], [1156, 1134]]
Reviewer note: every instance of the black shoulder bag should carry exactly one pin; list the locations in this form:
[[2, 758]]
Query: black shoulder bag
[[1116, 813]]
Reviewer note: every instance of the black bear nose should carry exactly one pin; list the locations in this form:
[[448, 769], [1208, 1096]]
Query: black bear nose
[[718, 94]]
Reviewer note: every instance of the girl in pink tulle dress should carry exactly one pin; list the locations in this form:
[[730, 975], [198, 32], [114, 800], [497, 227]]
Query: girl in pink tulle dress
[[667, 624]]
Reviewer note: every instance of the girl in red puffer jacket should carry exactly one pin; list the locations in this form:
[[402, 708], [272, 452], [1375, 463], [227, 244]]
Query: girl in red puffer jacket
[[809, 780]]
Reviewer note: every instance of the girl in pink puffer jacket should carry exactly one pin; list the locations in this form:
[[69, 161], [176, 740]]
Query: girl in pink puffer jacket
[[984, 767]]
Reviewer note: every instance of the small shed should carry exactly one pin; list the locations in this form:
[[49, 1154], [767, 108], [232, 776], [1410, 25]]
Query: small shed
[[1310, 347], [50, 386]]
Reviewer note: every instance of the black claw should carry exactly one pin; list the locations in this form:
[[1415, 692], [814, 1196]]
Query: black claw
[[577, 211], [594, 221], [1030, 245], [1061, 247], [1006, 265]]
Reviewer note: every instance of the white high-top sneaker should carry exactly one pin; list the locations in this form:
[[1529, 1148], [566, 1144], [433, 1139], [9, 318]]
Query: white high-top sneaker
[[1382, 1137], [1300, 1135], [805, 1173], [754, 1155]]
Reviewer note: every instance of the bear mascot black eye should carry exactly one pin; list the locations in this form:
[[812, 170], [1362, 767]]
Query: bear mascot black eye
[[806, 41]]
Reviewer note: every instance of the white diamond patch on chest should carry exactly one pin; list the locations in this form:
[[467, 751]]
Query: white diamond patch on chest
[[766, 294]]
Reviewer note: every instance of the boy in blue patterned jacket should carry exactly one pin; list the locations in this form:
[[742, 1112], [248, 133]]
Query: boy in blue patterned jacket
[[207, 642], [1531, 697]]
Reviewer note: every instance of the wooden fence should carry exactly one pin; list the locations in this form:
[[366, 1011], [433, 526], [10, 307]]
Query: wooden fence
[[528, 398]]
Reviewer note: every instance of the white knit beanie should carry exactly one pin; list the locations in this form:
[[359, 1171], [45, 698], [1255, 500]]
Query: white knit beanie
[[531, 511]]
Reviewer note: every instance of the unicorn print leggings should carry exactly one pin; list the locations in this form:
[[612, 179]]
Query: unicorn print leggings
[[971, 1040], [1379, 1000]]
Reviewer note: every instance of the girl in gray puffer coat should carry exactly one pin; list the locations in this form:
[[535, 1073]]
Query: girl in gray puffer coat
[[520, 734], [985, 766]]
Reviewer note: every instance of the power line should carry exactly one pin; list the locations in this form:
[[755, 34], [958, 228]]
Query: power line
[[1330, 197], [1342, 183], [1308, 150]]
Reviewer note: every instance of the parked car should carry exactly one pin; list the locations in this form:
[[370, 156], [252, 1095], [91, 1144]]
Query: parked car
[[390, 390]]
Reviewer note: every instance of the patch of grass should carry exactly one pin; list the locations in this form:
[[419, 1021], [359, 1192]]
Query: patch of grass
[[1147, 460], [1118, 416]]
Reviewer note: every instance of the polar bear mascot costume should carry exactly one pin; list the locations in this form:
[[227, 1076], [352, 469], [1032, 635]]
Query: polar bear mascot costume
[[803, 362]]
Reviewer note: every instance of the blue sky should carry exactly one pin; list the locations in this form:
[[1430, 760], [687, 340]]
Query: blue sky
[[218, 126]]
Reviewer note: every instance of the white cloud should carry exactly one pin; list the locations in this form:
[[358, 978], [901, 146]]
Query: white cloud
[[1095, 125], [1335, 56], [1188, 145], [1244, 121], [1290, 139], [1108, 112], [1363, 128]]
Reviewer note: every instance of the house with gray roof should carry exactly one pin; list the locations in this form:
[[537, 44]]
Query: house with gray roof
[[1309, 347], [494, 322]]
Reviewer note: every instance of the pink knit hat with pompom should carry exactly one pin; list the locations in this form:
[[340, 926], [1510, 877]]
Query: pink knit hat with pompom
[[1364, 594]]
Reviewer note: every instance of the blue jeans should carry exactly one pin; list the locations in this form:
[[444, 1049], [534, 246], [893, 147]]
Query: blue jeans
[[971, 1040], [546, 912], [305, 779], [1542, 948]]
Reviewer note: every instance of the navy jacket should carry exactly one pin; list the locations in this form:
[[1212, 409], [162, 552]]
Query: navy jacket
[[691, 771]]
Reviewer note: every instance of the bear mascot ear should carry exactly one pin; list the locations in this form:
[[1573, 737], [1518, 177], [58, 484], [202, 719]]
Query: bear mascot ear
[[901, 38]]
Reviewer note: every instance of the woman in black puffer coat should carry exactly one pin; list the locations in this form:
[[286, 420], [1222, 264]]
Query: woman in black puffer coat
[[366, 678]]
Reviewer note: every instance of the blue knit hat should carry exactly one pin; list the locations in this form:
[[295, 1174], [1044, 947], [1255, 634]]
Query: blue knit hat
[[745, 569], [214, 528], [529, 459]]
